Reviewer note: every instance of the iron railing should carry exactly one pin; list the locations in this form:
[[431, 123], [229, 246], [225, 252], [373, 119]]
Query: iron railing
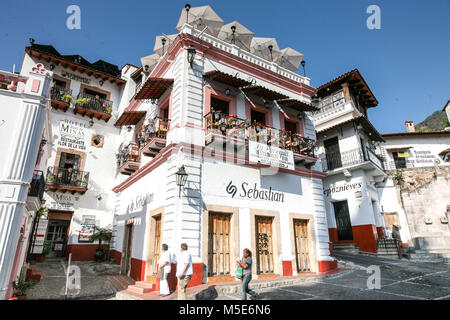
[[67, 177], [95, 103], [232, 126], [37, 185], [62, 94], [128, 153], [156, 128], [335, 160]]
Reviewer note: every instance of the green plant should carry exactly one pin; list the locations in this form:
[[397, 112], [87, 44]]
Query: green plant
[[84, 181], [101, 234], [82, 101], [46, 250], [397, 176], [50, 179], [108, 109], [43, 212], [67, 98], [21, 286]]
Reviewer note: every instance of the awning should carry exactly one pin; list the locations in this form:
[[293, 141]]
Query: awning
[[297, 105], [154, 88], [366, 124], [130, 118], [226, 78], [263, 92]]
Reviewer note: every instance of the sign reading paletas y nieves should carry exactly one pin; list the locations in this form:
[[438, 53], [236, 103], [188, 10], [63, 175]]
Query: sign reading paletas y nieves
[[269, 155]]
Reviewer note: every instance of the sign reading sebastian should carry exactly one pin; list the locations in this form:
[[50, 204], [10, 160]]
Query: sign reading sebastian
[[269, 155], [248, 192]]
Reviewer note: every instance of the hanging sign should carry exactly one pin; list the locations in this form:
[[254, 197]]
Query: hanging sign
[[404, 154], [86, 232], [39, 236], [272, 156]]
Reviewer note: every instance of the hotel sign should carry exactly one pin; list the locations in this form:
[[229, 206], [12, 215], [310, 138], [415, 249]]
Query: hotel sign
[[268, 155], [72, 134]]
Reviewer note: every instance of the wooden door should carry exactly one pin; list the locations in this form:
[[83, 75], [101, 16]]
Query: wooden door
[[343, 223], [157, 245], [332, 153], [301, 245], [264, 248], [128, 236], [219, 244]]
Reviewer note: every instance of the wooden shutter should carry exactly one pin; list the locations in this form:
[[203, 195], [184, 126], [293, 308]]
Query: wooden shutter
[[157, 246], [264, 247], [301, 245], [219, 244]]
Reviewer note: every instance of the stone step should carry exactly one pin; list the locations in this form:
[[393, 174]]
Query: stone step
[[145, 284], [140, 289]]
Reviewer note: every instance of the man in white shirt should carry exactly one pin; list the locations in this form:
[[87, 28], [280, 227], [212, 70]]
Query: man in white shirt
[[184, 271]]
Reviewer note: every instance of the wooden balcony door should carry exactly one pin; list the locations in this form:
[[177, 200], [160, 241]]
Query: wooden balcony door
[[219, 244], [301, 245], [264, 246], [157, 244]]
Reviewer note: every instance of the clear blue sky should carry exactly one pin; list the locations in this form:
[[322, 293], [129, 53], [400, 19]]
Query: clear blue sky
[[406, 63]]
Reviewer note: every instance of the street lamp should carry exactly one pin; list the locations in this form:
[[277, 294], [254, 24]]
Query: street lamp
[[181, 177], [303, 65], [191, 54]]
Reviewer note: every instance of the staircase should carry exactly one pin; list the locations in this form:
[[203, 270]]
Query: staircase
[[388, 247], [348, 248], [431, 256]]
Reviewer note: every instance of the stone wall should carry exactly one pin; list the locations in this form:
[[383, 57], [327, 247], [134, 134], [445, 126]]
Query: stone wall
[[425, 195]]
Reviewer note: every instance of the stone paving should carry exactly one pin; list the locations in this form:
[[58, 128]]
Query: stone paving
[[400, 280], [93, 281]]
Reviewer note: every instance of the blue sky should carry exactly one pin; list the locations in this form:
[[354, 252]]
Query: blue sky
[[406, 63]]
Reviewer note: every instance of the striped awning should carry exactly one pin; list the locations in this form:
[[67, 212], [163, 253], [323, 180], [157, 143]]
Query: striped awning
[[130, 118], [154, 88], [264, 93], [297, 105], [226, 78]]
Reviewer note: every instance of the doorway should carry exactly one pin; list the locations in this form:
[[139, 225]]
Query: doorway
[[157, 244], [56, 238], [333, 153], [264, 246], [343, 223], [219, 244], [126, 251], [301, 245]]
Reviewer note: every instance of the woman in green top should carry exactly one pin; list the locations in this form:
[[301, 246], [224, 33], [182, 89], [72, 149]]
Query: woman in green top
[[246, 265]]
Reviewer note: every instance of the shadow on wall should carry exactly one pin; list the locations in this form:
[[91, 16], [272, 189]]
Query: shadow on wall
[[282, 182]]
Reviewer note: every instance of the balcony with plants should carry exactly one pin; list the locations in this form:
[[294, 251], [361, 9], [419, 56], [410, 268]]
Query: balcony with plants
[[151, 137], [358, 156], [221, 127], [67, 180], [61, 97], [93, 107], [128, 159]]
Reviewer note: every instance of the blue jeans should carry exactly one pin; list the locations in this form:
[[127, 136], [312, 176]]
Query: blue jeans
[[245, 281]]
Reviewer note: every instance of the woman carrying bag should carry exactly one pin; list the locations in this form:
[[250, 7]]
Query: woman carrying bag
[[246, 265]]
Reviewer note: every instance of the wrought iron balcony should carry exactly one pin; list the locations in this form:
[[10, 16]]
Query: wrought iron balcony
[[61, 97], [152, 136], [336, 160], [93, 106], [241, 129], [128, 159], [37, 185], [67, 180]]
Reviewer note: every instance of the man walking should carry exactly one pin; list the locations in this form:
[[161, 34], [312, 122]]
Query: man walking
[[184, 271]]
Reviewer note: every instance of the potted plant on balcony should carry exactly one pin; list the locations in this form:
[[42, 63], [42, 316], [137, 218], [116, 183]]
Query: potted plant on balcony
[[232, 119], [67, 98], [108, 109], [84, 182], [82, 101], [50, 179], [101, 234], [216, 114]]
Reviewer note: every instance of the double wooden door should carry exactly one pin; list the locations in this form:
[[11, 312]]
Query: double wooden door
[[264, 246], [301, 245], [157, 244], [219, 244]]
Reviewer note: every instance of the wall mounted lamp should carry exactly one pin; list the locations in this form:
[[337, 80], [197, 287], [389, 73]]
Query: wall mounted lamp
[[181, 178], [191, 54]]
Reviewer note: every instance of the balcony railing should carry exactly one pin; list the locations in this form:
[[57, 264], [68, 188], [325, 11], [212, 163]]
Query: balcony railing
[[232, 126], [61, 94], [128, 153], [156, 128], [60, 177], [336, 160], [94, 103], [37, 185]]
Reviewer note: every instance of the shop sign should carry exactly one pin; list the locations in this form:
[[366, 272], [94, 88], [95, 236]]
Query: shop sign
[[247, 192], [424, 156], [75, 77], [139, 202], [269, 155], [345, 187], [61, 202], [72, 134], [39, 236], [86, 232]]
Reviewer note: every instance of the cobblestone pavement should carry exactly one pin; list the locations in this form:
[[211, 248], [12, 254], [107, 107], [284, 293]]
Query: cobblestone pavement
[[400, 280], [93, 283]]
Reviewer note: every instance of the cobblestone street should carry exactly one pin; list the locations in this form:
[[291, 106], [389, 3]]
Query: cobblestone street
[[400, 280]]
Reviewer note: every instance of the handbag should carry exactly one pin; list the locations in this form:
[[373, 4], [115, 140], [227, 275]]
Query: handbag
[[239, 272], [160, 274]]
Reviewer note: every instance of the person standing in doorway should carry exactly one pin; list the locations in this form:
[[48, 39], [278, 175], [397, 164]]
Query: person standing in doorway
[[246, 265], [184, 271], [164, 263]]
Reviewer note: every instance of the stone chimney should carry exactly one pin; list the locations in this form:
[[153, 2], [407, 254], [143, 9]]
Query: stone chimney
[[410, 126]]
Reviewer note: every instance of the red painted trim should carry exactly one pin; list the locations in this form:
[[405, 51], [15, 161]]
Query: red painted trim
[[380, 233], [166, 103], [197, 276], [325, 266], [333, 234], [287, 268], [82, 252], [116, 255], [211, 92], [137, 269], [365, 237], [298, 123]]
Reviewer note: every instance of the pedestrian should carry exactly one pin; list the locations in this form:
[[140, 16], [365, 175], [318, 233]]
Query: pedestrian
[[246, 265], [184, 271], [164, 263]]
